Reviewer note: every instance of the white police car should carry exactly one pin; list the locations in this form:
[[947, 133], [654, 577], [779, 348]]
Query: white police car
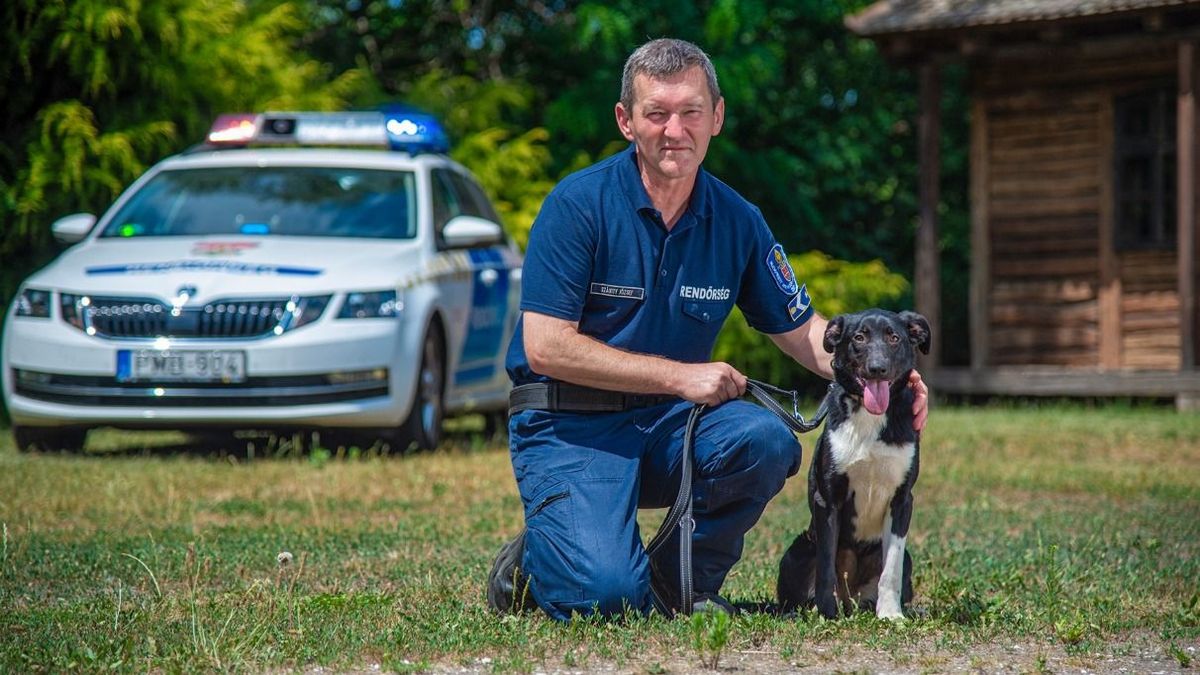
[[244, 286]]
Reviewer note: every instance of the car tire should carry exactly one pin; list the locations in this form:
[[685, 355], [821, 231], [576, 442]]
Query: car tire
[[424, 424], [49, 439]]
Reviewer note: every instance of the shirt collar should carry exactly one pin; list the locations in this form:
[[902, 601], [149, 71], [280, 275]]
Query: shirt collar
[[699, 204]]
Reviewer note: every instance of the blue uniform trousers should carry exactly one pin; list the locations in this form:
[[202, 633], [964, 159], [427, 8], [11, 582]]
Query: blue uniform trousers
[[582, 477]]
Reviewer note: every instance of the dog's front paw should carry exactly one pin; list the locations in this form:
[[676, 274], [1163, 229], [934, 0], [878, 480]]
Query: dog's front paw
[[828, 606], [889, 609]]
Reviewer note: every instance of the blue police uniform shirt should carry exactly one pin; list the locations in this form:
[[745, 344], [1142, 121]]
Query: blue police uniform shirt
[[600, 254]]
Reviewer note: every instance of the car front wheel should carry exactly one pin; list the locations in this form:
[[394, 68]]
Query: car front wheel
[[424, 425], [49, 439]]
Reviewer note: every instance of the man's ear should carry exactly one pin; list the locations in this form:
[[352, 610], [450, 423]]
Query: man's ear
[[919, 332], [624, 120], [833, 333]]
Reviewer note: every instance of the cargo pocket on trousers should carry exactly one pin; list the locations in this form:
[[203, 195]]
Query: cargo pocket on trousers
[[550, 545]]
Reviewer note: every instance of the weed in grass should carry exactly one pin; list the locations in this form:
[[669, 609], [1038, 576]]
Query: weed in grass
[[1189, 614], [710, 634], [1041, 665], [1181, 657], [1071, 631]]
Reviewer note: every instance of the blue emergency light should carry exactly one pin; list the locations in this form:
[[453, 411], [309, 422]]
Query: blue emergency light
[[399, 128]]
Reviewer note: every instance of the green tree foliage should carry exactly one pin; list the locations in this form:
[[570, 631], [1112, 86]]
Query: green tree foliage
[[97, 90], [836, 287], [820, 132]]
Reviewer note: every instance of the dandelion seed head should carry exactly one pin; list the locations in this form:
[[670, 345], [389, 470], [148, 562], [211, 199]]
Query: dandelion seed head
[[284, 559]]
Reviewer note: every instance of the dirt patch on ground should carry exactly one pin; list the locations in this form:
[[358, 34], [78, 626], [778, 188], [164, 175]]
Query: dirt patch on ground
[[1142, 655]]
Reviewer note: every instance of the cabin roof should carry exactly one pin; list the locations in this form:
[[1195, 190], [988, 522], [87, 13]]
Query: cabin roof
[[905, 16]]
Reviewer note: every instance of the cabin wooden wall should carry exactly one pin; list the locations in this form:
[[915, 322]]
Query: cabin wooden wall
[[1057, 293]]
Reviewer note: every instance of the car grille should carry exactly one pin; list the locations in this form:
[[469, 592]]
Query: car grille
[[255, 391], [137, 318]]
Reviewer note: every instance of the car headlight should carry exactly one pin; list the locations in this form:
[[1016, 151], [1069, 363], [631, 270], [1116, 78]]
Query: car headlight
[[73, 308], [35, 303], [370, 305], [301, 311]]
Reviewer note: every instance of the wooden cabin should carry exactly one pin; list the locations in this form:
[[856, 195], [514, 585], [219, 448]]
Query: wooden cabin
[[1083, 177]]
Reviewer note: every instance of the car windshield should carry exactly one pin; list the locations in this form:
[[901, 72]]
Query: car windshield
[[290, 201]]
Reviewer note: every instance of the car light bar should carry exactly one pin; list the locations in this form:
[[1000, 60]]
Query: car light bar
[[401, 129]]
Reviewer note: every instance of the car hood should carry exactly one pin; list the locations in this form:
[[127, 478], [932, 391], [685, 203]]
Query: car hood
[[216, 267]]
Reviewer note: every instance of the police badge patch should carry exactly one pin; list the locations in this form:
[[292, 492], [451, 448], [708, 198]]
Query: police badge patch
[[799, 303], [781, 270]]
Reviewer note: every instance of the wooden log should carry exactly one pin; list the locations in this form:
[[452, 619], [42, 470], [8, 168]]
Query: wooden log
[[1074, 313], [1147, 321], [1053, 337], [1165, 361], [927, 282], [1109, 287], [1150, 302], [1070, 184], [1026, 101], [1028, 156], [1059, 268], [1043, 292], [1080, 245], [1034, 226], [1047, 123], [1055, 168], [1030, 381], [1080, 138], [1045, 357], [1186, 236], [1064, 206], [981, 256]]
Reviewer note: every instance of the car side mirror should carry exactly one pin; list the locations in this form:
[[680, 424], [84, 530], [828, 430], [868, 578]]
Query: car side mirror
[[73, 228], [471, 231]]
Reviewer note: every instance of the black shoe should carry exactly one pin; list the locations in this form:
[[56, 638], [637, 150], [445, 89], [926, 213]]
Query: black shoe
[[705, 603], [508, 585], [665, 589]]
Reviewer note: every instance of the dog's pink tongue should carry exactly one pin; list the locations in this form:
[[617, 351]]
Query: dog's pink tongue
[[875, 396]]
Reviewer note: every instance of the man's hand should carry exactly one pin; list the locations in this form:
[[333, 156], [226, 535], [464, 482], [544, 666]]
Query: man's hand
[[710, 383], [920, 400]]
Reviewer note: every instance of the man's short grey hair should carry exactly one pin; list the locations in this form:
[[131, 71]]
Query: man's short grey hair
[[662, 58]]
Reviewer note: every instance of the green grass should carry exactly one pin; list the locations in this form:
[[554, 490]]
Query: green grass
[[1073, 532]]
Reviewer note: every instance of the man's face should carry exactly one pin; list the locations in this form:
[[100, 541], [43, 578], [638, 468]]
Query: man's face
[[672, 121]]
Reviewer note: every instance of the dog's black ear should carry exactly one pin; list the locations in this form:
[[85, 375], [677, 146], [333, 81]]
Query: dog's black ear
[[918, 330], [833, 333]]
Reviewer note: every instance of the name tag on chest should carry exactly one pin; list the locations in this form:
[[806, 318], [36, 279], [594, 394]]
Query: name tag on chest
[[626, 292]]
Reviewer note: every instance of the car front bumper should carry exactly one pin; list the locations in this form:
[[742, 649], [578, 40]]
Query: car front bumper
[[329, 374]]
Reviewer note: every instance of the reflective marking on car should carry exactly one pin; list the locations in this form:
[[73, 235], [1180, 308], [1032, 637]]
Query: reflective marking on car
[[204, 266]]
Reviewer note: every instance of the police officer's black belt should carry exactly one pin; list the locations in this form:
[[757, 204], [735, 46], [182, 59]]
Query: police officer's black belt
[[564, 397]]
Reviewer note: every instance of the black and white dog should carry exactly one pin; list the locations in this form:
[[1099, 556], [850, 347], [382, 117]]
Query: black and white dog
[[860, 484]]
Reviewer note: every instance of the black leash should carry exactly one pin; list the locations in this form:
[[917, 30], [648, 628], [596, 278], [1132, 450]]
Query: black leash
[[680, 515]]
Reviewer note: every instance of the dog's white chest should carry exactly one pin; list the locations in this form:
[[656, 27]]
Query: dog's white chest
[[874, 469]]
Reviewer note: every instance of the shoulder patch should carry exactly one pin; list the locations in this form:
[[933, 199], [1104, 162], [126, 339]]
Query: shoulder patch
[[799, 303], [781, 270]]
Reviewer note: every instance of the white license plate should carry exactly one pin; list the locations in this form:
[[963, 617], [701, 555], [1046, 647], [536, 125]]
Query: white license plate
[[181, 365]]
